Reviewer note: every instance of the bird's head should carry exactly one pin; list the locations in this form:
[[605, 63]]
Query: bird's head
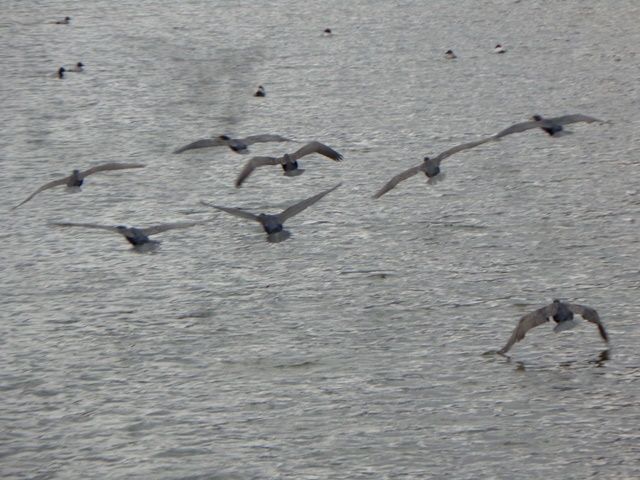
[[536, 117], [224, 137]]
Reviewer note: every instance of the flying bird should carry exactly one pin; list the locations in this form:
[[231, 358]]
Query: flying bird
[[429, 166], [552, 126], [273, 225], [135, 236], [562, 313], [238, 145], [289, 162], [77, 177]]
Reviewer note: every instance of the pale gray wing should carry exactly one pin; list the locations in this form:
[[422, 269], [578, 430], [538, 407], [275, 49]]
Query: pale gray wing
[[577, 117], [85, 225], [527, 322], [204, 143], [459, 148], [517, 128], [300, 206], [399, 178], [46, 186], [110, 166], [235, 212], [316, 147], [263, 138], [590, 315], [252, 164], [169, 226]]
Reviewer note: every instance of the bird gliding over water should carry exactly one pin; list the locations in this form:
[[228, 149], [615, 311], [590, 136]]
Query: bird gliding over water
[[429, 166], [552, 126], [273, 225], [137, 237], [562, 313], [289, 161], [238, 145], [77, 177]]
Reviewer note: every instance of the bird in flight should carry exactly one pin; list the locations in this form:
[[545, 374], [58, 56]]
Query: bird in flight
[[273, 225], [137, 237], [238, 145], [552, 126], [77, 177], [289, 161], [429, 166], [562, 313]]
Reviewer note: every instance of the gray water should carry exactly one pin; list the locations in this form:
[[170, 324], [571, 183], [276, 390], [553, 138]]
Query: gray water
[[355, 349]]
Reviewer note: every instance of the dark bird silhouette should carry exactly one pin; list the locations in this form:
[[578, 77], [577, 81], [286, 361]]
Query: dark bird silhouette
[[261, 92], [289, 162], [76, 179], [64, 21], [552, 126], [450, 55], [273, 225], [137, 237], [238, 145], [562, 313], [61, 71], [429, 166]]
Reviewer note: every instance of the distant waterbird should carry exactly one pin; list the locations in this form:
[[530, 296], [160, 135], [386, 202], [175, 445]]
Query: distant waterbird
[[261, 92], [450, 55], [289, 161], [552, 126], [560, 312], [238, 145], [499, 49], [273, 225], [60, 72], [78, 67], [64, 21], [429, 166], [76, 179]]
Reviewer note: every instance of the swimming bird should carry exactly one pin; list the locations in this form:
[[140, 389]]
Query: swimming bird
[[64, 21], [562, 313], [450, 55], [261, 92], [61, 71], [77, 177], [238, 145], [499, 49], [289, 162], [137, 237], [78, 67], [327, 32], [429, 166], [273, 224], [552, 126]]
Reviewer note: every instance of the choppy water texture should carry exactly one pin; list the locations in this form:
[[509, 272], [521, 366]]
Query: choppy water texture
[[355, 348]]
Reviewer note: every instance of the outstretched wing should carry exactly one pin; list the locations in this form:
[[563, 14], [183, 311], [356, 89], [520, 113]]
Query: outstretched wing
[[110, 166], [204, 143], [528, 322], [300, 206], [590, 315], [517, 128], [85, 225], [252, 164], [169, 226], [46, 186], [574, 118], [399, 178], [235, 211], [316, 147], [263, 138], [459, 148]]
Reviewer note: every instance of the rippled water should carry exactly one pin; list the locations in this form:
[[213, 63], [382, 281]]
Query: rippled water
[[355, 348]]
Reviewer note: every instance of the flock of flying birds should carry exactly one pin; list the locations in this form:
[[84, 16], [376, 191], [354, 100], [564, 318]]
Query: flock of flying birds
[[273, 224]]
